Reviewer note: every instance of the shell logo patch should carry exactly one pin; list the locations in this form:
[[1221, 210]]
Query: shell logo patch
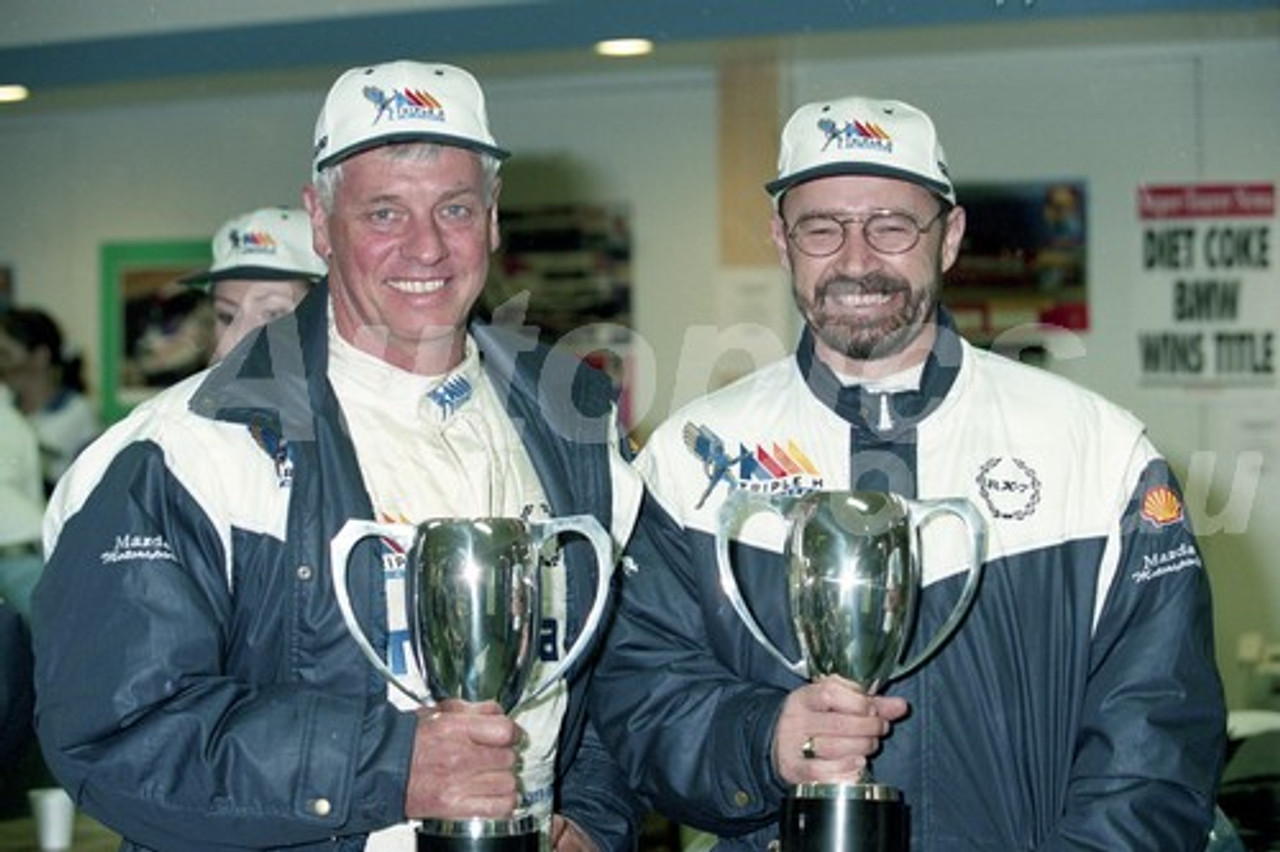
[[1162, 507]]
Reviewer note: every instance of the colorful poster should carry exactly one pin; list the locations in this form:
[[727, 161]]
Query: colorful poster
[[1023, 259], [1209, 299]]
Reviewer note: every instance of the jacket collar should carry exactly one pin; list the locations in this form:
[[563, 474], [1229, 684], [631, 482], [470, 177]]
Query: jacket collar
[[883, 415], [275, 382]]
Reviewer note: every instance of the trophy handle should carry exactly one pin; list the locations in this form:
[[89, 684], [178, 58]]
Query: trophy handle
[[352, 532], [590, 528], [920, 512], [734, 512]]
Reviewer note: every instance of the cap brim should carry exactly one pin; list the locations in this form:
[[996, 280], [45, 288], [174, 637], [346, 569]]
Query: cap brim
[[249, 273], [775, 188], [416, 136]]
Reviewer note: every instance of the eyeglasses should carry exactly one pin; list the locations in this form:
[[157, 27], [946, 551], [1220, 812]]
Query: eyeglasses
[[886, 231]]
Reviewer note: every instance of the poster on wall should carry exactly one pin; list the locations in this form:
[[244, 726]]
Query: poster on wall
[[1208, 301], [565, 271], [155, 330], [1023, 259]]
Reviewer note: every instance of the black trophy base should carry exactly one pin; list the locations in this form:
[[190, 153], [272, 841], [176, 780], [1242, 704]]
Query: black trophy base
[[844, 818], [479, 835]]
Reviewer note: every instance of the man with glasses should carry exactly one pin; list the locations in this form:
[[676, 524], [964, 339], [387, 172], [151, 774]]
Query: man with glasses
[[1078, 705]]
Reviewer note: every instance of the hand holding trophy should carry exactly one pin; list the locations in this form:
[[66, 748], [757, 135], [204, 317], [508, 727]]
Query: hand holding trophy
[[853, 581], [474, 604]]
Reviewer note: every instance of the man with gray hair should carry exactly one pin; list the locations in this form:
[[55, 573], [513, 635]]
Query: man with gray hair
[[198, 686]]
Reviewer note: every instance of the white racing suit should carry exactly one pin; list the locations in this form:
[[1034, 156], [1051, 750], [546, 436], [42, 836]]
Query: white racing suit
[[1078, 706], [198, 690]]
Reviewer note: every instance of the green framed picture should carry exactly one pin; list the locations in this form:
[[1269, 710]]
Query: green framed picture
[[155, 330]]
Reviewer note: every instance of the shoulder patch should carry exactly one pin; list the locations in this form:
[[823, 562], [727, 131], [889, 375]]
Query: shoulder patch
[[1161, 506]]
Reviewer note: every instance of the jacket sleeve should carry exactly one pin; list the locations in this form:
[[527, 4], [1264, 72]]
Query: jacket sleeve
[[595, 795], [1151, 742], [692, 736], [139, 715]]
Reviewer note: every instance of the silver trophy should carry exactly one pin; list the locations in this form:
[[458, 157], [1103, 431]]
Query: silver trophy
[[473, 595], [853, 581]]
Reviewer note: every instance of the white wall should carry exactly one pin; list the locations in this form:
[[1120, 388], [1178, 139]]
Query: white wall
[[1114, 114], [82, 177]]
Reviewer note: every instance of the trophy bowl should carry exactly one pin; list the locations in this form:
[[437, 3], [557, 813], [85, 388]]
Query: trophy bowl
[[476, 597], [852, 583]]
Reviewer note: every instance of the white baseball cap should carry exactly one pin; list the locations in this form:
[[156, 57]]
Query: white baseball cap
[[401, 101], [861, 136], [270, 244]]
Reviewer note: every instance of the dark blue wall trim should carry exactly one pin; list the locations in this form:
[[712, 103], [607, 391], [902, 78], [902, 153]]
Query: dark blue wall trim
[[522, 27]]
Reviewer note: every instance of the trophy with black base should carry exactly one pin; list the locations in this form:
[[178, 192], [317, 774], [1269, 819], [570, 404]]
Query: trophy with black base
[[853, 581]]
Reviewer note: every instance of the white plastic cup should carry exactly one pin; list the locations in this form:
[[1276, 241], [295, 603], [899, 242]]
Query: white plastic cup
[[54, 814]]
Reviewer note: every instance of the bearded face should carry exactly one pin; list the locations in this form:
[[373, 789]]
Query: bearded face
[[870, 311], [869, 318]]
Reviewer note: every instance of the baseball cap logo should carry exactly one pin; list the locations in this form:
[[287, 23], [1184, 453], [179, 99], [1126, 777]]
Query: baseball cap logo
[[401, 104], [855, 134], [253, 242]]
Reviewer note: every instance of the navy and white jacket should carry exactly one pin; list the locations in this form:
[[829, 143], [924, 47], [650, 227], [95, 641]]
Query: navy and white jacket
[[197, 687], [1078, 706]]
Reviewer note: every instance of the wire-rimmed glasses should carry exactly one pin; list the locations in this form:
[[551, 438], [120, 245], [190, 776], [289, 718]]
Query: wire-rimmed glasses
[[886, 231]]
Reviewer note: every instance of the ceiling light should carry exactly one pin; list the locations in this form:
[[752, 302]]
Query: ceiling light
[[13, 93], [624, 47]]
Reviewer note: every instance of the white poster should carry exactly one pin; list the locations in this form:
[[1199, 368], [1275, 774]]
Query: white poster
[[1208, 301]]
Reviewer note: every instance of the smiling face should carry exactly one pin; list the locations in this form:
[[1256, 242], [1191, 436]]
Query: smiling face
[[871, 313], [407, 236], [239, 306]]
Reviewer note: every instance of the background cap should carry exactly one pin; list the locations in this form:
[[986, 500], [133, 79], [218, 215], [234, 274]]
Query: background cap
[[271, 244], [401, 101], [861, 136]]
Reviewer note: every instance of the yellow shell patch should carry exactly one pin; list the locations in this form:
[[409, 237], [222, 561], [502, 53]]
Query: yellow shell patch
[[1161, 506]]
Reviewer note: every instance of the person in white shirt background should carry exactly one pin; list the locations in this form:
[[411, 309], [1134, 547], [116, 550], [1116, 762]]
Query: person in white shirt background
[[21, 509], [21, 505], [47, 381]]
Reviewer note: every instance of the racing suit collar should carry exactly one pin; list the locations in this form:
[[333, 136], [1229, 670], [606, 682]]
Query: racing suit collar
[[884, 415]]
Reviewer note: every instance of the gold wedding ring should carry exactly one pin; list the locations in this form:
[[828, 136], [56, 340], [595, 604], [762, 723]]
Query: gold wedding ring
[[807, 750]]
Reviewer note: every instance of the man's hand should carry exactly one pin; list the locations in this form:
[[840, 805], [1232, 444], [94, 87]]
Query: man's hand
[[464, 759], [829, 728], [567, 837]]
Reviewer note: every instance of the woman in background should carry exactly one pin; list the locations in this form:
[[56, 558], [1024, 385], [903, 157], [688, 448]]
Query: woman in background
[[263, 264], [48, 387]]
